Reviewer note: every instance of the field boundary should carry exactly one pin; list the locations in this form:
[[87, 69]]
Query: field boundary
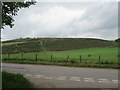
[[93, 65]]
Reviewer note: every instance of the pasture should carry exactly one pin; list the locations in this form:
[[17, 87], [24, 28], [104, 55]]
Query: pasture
[[89, 55]]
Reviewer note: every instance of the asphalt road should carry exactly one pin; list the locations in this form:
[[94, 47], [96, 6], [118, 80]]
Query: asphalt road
[[44, 76]]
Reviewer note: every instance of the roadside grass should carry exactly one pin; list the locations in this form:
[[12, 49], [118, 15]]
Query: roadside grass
[[91, 55], [10, 80], [69, 64]]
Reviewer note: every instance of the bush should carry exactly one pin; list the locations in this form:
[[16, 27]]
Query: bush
[[73, 61], [10, 80], [89, 55], [106, 62], [64, 61], [101, 63], [111, 62]]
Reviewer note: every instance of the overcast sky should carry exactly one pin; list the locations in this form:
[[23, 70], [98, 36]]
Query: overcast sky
[[66, 19]]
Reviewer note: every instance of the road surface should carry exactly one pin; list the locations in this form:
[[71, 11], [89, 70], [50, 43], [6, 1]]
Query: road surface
[[44, 76]]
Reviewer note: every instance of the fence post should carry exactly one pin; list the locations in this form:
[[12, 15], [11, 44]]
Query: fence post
[[67, 58], [36, 57], [8, 56], [99, 58], [80, 58], [22, 56], [51, 57]]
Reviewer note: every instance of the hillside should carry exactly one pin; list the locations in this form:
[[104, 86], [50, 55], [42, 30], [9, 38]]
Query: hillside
[[53, 44]]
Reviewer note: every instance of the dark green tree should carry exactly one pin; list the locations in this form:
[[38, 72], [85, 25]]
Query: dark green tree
[[10, 9], [118, 40]]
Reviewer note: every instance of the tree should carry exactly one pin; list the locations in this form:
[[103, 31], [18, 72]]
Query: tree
[[117, 40], [10, 9]]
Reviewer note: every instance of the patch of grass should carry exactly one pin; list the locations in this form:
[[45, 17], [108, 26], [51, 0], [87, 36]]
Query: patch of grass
[[10, 80], [90, 55], [97, 65]]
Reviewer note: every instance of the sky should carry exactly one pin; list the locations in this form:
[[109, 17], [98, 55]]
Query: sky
[[66, 20]]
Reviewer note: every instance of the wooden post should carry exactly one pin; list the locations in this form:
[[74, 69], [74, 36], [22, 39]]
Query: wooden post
[[67, 58], [51, 57], [22, 56], [80, 58], [36, 57], [99, 58], [8, 56]]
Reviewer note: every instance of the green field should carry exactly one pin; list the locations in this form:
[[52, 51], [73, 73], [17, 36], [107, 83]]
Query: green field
[[80, 52], [91, 55], [11, 43], [29, 45]]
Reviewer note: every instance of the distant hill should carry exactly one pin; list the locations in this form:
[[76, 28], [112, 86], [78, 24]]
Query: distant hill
[[53, 44]]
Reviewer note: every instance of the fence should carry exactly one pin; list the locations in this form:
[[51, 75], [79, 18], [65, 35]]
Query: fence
[[53, 58]]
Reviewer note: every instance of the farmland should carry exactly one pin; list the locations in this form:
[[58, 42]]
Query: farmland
[[87, 55], [61, 50], [53, 44]]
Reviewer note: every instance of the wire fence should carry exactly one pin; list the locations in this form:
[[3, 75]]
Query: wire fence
[[68, 58]]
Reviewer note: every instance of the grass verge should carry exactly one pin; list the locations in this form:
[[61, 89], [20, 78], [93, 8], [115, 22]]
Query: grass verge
[[92, 65], [10, 80], [91, 55]]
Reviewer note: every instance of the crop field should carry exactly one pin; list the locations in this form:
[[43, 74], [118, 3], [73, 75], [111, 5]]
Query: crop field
[[91, 55]]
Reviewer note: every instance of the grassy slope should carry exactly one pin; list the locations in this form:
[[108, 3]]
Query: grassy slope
[[10, 80], [88, 55], [60, 48], [54, 44], [11, 43]]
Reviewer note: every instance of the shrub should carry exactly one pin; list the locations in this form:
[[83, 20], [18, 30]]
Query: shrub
[[10, 80], [64, 61], [106, 62], [73, 61], [89, 55]]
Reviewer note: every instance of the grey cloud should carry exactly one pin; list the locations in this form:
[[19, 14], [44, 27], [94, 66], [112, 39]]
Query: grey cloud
[[99, 20]]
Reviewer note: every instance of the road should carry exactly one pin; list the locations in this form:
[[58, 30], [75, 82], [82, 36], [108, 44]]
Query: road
[[45, 76]]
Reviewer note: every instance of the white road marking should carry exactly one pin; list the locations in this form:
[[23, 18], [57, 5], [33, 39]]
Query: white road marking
[[72, 78], [103, 81], [47, 77], [28, 74], [115, 81], [61, 78], [38, 76], [89, 80], [75, 78]]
